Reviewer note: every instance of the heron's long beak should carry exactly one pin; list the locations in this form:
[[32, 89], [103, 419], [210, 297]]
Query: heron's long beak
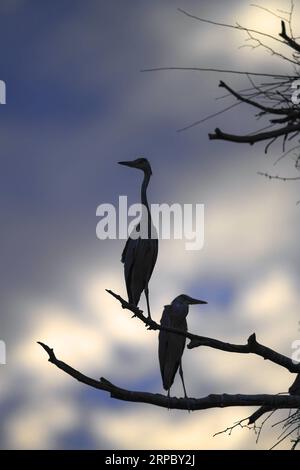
[[130, 163], [196, 301]]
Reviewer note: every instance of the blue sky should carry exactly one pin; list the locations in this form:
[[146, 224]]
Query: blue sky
[[76, 105]]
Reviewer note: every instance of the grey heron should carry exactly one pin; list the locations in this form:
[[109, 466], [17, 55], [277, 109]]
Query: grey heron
[[140, 254], [171, 345]]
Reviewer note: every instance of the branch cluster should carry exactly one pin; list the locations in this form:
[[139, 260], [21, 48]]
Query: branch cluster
[[211, 401]]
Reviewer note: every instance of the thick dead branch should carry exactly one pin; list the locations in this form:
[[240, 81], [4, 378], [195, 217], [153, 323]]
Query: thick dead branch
[[252, 345], [252, 139], [295, 387], [258, 413], [290, 41], [210, 401]]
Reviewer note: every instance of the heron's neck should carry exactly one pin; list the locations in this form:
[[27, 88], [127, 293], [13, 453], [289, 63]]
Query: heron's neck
[[144, 191], [144, 199]]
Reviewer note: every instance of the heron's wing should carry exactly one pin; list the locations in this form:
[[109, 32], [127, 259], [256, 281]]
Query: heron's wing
[[126, 248], [154, 256], [129, 251], [175, 350], [171, 347], [128, 259], [163, 340]]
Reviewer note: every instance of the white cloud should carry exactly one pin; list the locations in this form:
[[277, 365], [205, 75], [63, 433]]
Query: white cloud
[[37, 426], [146, 428]]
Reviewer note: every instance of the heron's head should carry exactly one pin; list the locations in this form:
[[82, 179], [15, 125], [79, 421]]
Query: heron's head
[[140, 164], [187, 300]]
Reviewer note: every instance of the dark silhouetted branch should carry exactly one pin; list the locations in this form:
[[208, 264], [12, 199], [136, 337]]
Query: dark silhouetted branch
[[210, 401], [293, 390], [252, 139], [209, 69], [291, 42], [240, 424], [245, 423], [254, 103], [252, 345], [258, 413], [280, 178], [295, 387], [226, 25]]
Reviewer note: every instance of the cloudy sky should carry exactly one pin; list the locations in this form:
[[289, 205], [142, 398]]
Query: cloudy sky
[[77, 103]]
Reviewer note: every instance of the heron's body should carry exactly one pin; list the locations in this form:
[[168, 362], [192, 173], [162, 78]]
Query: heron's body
[[171, 345], [139, 258], [140, 254]]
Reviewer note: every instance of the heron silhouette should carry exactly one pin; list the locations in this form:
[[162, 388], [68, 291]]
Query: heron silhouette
[[140, 254], [171, 345]]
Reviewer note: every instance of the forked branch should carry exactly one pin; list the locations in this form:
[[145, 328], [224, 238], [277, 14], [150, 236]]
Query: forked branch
[[290, 41]]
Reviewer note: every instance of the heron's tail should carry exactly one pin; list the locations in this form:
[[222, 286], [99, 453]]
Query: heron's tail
[[169, 373], [133, 296]]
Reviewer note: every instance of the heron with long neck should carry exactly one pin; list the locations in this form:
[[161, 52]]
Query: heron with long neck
[[140, 253], [171, 345]]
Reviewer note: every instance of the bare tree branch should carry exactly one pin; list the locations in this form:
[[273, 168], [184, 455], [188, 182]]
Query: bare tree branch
[[295, 387], [280, 178], [229, 429], [252, 139], [209, 69], [258, 413], [249, 425], [291, 42], [266, 109], [226, 25], [252, 345], [267, 10], [210, 401]]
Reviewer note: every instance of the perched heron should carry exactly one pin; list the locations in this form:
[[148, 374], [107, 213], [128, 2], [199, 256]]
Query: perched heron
[[140, 254], [171, 345]]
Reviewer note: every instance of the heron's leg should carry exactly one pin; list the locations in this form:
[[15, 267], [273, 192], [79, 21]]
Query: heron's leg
[[182, 380], [148, 303], [168, 395]]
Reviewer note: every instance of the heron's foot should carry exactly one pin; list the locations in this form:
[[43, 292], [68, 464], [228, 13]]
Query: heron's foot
[[188, 403], [150, 325], [149, 318], [133, 316]]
